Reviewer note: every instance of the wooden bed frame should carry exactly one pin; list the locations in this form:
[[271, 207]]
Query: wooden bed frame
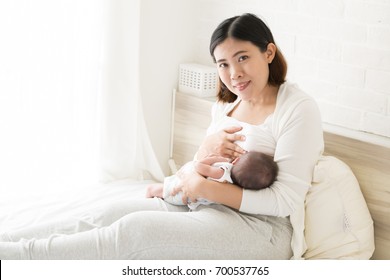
[[371, 165], [369, 161]]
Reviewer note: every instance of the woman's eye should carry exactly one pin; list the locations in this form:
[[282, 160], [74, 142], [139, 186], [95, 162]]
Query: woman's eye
[[242, 58], [222, 65]]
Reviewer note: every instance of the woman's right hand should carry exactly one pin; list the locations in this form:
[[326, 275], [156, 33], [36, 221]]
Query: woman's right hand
[[222, 143]]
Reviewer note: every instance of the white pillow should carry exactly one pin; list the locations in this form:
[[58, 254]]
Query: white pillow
[[338, 224]]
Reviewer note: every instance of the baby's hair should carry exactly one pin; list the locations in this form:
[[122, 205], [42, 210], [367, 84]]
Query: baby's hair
[[254, 170]]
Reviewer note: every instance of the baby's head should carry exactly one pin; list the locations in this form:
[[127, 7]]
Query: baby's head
[[254, 170]]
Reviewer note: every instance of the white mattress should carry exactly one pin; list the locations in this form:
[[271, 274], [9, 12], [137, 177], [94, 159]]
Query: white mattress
[[23, 210]]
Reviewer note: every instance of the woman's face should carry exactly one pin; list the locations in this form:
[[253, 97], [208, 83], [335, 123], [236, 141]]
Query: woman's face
[[243, 68]]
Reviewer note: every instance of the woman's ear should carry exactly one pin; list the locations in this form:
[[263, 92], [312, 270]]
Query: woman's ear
[[270, 52]]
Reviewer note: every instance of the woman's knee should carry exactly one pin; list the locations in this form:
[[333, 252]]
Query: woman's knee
[[138, 233]]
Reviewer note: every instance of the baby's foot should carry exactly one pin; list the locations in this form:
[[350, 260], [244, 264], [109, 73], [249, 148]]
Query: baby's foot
[[154, 190], [5, 238]]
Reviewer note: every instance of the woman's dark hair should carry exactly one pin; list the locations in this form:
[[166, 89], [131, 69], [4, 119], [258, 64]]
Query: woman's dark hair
[[248, 27]]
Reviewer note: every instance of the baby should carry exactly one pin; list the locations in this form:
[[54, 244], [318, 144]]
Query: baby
[[252, 170]]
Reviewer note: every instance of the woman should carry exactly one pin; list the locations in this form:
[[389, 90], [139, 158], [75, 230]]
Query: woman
[[253, 90], [246, 224]]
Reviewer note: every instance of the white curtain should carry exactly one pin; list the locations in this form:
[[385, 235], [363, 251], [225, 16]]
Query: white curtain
[[70, 106]]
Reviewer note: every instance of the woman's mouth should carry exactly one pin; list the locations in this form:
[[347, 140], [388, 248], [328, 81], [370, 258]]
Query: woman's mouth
[[241, 86]]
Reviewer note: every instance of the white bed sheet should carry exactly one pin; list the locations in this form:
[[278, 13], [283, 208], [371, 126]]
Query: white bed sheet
[[21, 211]]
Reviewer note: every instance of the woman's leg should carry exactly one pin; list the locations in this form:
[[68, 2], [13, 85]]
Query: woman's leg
[[212, 232], [94, 218]]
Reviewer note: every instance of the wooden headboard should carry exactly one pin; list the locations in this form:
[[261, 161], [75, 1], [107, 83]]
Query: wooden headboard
[[371, 165], [369, 162]]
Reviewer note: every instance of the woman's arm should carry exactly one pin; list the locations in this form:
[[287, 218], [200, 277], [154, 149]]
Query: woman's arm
[[299, 145], [217, 143], [195, 186]]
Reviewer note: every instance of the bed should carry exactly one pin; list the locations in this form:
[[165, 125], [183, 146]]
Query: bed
[[370, 162], [20, 211]]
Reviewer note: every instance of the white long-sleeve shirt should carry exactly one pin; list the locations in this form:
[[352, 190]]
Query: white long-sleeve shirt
[[294, 132]]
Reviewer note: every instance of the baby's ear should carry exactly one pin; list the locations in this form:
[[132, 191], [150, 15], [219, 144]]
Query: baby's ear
[[235, 160]]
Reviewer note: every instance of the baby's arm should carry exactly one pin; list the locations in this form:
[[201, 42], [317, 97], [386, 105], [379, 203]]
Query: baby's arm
[[204, 167]]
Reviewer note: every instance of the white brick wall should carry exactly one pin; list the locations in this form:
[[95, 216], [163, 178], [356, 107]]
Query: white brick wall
[[338, 51]]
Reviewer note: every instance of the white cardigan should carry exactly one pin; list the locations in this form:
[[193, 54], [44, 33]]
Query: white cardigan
[[296, 128]]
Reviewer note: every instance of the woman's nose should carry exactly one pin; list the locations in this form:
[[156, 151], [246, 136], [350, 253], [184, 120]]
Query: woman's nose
[[235, 72]]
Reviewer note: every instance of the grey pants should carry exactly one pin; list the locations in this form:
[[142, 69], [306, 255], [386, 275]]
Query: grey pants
[[160, 231]]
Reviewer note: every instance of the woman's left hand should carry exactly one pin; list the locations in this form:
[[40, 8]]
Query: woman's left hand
[[190, 183]]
